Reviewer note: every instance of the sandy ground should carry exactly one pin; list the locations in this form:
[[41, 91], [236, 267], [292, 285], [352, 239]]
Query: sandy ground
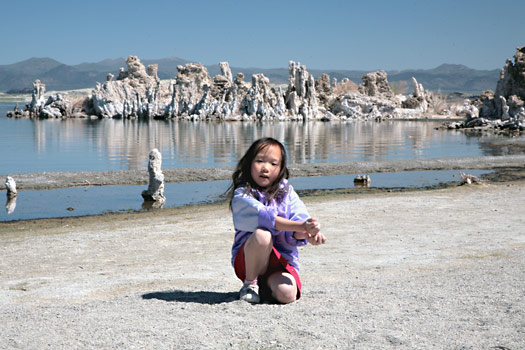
[[438, 269]]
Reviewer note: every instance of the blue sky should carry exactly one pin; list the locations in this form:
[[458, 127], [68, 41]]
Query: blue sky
[[328, 34]]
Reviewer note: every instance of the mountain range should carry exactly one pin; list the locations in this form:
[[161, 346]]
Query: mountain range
[[18, 77]]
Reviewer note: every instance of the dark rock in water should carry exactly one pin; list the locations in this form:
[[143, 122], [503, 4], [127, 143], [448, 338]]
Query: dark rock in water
[[362, 180]]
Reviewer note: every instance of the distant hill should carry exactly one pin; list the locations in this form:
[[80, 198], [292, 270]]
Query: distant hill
[[451, 78], [58, 76]]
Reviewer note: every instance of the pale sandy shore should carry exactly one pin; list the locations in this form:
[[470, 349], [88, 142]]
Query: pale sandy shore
[[439, 269]]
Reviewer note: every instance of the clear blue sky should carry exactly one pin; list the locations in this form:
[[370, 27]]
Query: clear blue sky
[[327, 34]]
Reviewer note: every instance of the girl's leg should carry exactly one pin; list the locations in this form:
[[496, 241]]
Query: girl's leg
[[257, 251], [283, 286]]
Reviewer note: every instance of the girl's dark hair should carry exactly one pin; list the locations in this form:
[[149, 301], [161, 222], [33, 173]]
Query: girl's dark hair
[[243, 175]]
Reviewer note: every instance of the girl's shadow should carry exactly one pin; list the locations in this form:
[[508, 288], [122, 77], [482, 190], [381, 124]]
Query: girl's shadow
[[201, 297]]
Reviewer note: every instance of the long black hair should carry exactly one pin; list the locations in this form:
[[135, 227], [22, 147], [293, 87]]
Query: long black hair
[[243, 175]]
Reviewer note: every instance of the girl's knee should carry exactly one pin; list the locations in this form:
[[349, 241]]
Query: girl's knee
[[283, 286], [285, 294], [262, 237]]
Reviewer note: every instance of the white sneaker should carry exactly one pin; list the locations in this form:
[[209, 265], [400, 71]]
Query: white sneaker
[[250, 293]]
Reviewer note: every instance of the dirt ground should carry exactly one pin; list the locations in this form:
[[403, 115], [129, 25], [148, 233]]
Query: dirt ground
[[436, 269]]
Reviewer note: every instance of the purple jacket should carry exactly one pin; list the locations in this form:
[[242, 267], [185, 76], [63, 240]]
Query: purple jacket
[[251, 211]]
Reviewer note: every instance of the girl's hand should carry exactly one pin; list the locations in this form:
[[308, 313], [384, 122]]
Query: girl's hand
[[312, 226], [313, 232], [319, 238]]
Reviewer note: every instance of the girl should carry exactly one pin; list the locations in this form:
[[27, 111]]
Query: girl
[[270, 223]]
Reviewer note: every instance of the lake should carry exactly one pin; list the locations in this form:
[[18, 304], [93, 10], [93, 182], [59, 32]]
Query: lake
[[33, 145]]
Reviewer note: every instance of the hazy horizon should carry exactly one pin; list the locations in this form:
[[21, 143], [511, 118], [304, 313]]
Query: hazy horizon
[[247, 67], [364, 36]]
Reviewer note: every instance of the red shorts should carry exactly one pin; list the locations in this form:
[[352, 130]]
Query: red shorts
[[277, 263]]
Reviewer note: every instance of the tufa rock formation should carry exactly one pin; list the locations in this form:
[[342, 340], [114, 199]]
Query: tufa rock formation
[[155, 191], [10, 185], [376, 84], [38, 100], [512, 77], [138, 93], [507, 102], [135, 93], [55, 106], [12, 193], [503, 109], [419, 99]]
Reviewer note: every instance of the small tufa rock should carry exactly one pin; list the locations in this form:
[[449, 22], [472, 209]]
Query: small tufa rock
[[362, 180], [468, 179], [10, 185], [155, 191]]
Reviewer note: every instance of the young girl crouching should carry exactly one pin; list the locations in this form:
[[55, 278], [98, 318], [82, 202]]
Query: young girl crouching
[[270, 222]]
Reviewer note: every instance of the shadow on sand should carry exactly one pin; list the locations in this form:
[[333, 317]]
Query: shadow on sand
[[201, 297]]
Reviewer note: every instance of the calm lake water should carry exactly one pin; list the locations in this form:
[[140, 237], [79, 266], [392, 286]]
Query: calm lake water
[[80, 201], [29, 145]]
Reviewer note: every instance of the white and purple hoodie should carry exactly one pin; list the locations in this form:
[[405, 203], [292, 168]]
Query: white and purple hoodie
[[251, 211]]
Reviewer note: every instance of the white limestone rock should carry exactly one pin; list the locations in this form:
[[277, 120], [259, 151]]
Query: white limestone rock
[[135, 93], [10, 185], [419, 99], [155, 191], [37, 99], [194, 95], [376, 84], [508, 99]]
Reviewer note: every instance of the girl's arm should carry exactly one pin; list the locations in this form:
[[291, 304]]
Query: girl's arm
[[249, 213], [283, 224], [301, 224], [309, 229], [313, 232], [303, 230]]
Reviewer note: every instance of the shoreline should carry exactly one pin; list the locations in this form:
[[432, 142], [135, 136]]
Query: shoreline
[[52, 180], [494, 170], [407, 269]]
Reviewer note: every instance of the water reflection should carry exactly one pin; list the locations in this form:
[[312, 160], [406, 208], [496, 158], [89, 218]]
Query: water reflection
[[10, 204], [100, 145]]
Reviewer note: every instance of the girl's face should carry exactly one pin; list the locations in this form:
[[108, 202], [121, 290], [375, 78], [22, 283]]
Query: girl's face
[[266, 166]]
